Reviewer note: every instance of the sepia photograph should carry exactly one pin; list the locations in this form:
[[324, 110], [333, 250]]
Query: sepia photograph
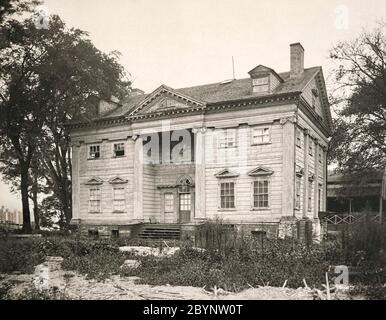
[[206, 152]]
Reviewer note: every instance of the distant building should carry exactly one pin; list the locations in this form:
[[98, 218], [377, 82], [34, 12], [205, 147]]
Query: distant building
[[7, 215], [356, 193]]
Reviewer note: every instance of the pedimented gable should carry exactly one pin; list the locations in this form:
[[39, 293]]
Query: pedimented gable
[[94, 181], [226, 174], [164, 99], [260, 171], [316, 96], [117, 180]]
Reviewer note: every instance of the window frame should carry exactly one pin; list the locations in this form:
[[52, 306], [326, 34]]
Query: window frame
[[298, 138], [257, 180], [122, 207], [259, 83], [298, 192], [262, 135], [220, 207], [91, 199], [115, 150], [90, 153], [165, 202], [311, 147], [224, 138], [309, 196]]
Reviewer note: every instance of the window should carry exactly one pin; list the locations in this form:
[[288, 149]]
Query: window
[[298, 138], [95, 200], [320, 197], [260, 85], [260, 194], [297, 192], [94, 152], [168, 202], [228, 139], [309, 195], [227, 195], [185, 202], [313, 101], [119, 149], [261, 135], [119, 199], [311, 147]]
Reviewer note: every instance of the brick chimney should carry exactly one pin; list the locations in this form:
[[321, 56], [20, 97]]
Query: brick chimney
[[297, 60]]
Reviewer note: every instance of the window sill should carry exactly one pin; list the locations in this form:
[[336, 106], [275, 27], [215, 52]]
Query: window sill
[[93, 158], [226, 209], [228, 147], [94, 212], [118, 156], [118, 211], [261, 144], [261, 209]]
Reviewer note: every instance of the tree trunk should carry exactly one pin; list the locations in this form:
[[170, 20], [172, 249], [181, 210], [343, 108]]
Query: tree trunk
[[36, 205], [24, 198]]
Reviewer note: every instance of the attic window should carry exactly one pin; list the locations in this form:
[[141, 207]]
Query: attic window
[[94, 152], [260, 85]]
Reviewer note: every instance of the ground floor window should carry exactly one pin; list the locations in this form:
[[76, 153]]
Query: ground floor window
[[119, 199], [185, 201], [227, 195], [95, 200], [261, 194], [309, 195], [169, 202], [297, 192]]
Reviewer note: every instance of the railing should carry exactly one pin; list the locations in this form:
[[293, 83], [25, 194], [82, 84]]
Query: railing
[[336, 219]]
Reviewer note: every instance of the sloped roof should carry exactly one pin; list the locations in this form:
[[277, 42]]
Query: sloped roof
[[222, 92]]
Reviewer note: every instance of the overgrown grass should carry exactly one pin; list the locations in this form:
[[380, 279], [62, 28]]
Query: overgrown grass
[[238, 268], [229, 261]]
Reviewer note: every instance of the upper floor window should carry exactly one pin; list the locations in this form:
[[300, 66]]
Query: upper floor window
[[261, 194], [119, 149], [311, 148], [227, 195], [228, 139], [298, 138], [94, 152], [261, 135], [260, 85], [95, 200]]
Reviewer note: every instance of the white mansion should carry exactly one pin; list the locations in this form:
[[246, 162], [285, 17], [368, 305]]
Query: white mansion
[[249, 151]]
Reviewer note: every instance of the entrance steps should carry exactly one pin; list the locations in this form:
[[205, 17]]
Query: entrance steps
[[155, 231]]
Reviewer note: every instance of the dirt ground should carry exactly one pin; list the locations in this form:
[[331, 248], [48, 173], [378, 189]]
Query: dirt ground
[[75, 286]]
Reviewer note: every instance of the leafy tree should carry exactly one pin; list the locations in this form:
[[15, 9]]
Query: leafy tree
[[359, 98], [49, 76], [11, 7]]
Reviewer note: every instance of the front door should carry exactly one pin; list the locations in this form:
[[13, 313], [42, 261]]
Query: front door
[[185, 207]]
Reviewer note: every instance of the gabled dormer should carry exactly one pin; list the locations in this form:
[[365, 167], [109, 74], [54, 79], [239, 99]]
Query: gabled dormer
[[264, 80]]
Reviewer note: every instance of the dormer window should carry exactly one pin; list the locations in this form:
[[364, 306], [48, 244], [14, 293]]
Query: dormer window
[[260, 85]]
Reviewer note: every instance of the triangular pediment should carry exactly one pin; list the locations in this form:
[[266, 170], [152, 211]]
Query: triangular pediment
[[117, 180], [260, 69], [260, 171], [164, 99], [94, 181], [226, 174]]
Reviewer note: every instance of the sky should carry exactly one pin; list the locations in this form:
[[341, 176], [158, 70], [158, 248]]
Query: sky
[[183, 43]]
